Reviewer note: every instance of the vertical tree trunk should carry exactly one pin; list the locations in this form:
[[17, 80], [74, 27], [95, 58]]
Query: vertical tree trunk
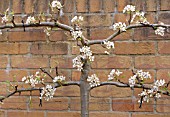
[[84, 90]]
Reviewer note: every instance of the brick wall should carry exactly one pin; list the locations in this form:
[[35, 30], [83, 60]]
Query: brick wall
[[22, 53]]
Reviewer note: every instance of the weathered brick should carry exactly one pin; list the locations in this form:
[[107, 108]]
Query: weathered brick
[[29, 62], [42, 6], [112, 62], [95, 104], [69, 5], [3, 62], [130, 105], [134, 48], [163, 105], [51, 48], [2, 113], [27, 36], [25, 114], [120, 17], [29, 6], [164, 17], [12, 75], [17, 6], [14, 48], [95, 5], [111, 91], [152, 62], [15, 102], [54, 104], [164, 47], [108, 114], [61, 62], [81, 5], [122, 4], [150, 115], [63, 114], [109, 5], [165, 5], [151, 5], [58, 36], [4, 4], [163, 74], [140, 5]]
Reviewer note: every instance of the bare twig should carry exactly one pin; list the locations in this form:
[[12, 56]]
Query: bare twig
[[43, 70]]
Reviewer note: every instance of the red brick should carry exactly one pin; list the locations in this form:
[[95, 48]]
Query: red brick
[[42, 6], [152, 62], [163, 74], [150, 115], [3, 62], [2, 113], [111, 91], [112, 62], [69, 5], [165, 5], [29, 6], [81, 5], [163, 105], [108, 114], [164, 47], [95, 5], [151, 5], [140, 5], [17, 6], [58, 36], [95, 104], [54, 104], [148, 34], [63, 114], [109, 5], [27, 36], [3, 36], [12, 75], [68, 91], [51, 48], [164, 17], [25, 114], [14, 48], [100, 20], [122, 4], [4, 4], [61, 62], [120, 17], [134, 48], [29, 62], [15, 102], [130, 105]]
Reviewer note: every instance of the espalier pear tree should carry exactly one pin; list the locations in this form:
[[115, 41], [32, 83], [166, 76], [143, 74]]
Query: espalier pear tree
[[83, 61]]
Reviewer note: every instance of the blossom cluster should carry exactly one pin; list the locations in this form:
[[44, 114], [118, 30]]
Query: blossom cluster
[[153, 92], [139, 17], [86, 53], [48, 91], [109, 44], [6, 17], [77, 20], [59, 79], [160, 31], [139, 76], [56, 4], [129, 8], [34, 79], [93, 80], [114, 74], [120, 26], [76, 34], [30, 20]]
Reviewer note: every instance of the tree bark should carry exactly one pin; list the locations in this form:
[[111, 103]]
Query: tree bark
[[84, 90]]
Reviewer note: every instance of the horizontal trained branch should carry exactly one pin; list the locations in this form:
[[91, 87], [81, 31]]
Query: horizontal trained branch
[[35, 89], [125, 85]]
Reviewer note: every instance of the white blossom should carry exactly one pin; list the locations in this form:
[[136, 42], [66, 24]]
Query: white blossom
[[5, 19], [0, 32], [93, 80], [48, 92], [113, 74], [160, 31], [56, 4], [77, 20], [143, 75], [139, 17], [132, 80], [47, 31], [59, 79], [121, 26], [77, 62], [109, 44], [76, 34], [159, 83], [33, 79], [30, 20], [129, 8]]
